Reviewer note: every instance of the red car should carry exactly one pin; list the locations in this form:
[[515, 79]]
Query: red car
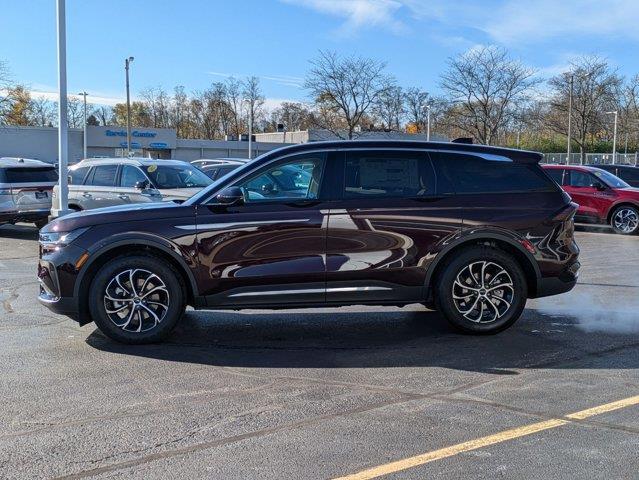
[[602, 197]]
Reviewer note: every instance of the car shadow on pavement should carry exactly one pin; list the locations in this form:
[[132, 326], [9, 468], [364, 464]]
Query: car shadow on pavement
[[374, 339], [19, 232]]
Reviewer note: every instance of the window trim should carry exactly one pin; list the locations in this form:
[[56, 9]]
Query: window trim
[[121, 174]]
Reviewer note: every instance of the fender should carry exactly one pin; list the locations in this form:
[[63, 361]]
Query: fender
[[482, 233], [136, 238]]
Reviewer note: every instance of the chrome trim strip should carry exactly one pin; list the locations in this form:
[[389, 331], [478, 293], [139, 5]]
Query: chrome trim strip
[[278, 292], [355, 289], [223, 226]]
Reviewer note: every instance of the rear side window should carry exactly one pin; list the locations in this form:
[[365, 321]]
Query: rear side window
[[464, 173], [387, 174], [556, 174], [223, 170], [31, 175], [76, 176], [629, 174], [102, 176], [580, 179]]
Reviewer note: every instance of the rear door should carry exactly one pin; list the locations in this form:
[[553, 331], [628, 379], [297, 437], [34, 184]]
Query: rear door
[[386, 227], [31, 187], [98, 189], [271, 248]]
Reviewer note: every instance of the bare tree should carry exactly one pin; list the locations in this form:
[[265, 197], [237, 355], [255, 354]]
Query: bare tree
[[5, 84], [43, 112], [389, 108], [104, 114], [344, 90], [233, 92], [253, 98], [416, 102], [485, 86], [75, 112], [293, 115], [595, 90]]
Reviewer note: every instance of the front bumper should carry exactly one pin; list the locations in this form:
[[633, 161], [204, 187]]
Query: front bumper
[[562, 283]]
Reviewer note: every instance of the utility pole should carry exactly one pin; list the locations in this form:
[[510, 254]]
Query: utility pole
[[250, 131], [63, 147], [572, 79], [127, 62], [614, 136], [428, 123], [84, 141]]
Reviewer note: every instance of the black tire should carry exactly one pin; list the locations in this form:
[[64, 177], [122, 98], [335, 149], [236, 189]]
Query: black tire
[[506, 304], [40, 224], [625, 220], [75, 208], [162, 278]]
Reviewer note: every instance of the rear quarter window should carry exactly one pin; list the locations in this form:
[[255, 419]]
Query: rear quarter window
[[31, 175], [467, 173]]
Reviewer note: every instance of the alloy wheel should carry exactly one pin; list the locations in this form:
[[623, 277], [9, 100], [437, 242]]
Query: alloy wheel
[[136, 300], [483, 292], [626, 220]]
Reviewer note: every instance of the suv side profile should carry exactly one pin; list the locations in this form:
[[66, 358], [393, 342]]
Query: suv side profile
[[603, 198], [25, 190], [109, 182], [472, 231]]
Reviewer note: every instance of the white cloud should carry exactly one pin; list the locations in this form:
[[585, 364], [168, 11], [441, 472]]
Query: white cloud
[[287, 80], [93, 99], [358, 13]]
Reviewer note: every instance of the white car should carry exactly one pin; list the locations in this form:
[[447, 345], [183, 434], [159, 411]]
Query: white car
[[106, 182], [25, 190]]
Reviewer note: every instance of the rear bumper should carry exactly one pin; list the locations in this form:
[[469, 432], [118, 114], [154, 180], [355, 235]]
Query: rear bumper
[[565, 282], [24, 215]]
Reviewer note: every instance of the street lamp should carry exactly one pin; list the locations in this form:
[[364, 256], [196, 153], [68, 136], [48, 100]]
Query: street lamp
[[614, 137], [428, 123], [572, 80], [63, 182], [127, 62], [84, 141]]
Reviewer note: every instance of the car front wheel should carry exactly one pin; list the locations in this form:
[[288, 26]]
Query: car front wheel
[[136, 299], [625, 220], [481, 290]]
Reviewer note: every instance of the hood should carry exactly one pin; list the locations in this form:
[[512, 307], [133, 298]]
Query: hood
[[169, 194], [117, 214]]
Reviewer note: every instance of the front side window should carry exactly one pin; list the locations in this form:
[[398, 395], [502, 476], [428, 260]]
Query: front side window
[[387, 174], [177, 176], [298, 178], [609, 179], [467, 173], [131, 176]]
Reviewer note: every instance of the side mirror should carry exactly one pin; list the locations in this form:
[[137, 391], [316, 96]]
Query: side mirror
[[230, 196], [142, 185], [268, 188]]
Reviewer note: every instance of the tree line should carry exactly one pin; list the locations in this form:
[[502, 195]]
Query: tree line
[[484, 94]]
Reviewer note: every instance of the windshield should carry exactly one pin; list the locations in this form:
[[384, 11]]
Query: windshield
[[177, 176], [610, 179]]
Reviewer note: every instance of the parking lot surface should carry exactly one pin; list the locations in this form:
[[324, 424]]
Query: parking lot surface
[[327, 393]]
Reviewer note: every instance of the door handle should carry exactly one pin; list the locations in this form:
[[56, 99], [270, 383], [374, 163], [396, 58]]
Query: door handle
[[123, 196], [303, 203], [87, 195]]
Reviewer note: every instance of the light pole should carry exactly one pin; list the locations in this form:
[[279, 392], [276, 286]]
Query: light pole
[[614, 137], [127, 62], [572, 79], [84, 141], [63, 182], [428, 123]]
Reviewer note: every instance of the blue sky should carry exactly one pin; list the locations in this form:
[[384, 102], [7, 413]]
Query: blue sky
[[196, 42]]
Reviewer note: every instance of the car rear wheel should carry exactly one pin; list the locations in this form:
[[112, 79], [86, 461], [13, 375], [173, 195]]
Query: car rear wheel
[[625, 220], [136, 299], [481, 290]]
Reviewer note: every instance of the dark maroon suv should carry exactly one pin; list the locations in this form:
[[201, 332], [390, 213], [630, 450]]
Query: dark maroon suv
[[471, 231]]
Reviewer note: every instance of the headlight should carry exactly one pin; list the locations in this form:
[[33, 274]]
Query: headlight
[[61, 238]]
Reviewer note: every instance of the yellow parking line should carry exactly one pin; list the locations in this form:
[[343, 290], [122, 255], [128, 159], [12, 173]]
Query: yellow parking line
[[500, 437]]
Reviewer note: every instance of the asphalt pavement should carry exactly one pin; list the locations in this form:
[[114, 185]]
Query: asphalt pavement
[[365, 392]]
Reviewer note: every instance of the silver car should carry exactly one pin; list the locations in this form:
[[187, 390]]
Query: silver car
[[106, 182], [25, 190]]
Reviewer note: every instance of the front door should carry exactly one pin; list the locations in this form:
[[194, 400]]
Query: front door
[[582, 187], [383, 233], [270, 248]]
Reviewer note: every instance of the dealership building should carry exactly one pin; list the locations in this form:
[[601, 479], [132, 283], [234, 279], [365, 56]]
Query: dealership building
[[41, 143]]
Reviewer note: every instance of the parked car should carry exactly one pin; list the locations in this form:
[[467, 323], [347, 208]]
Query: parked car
[[25, 190], [627, 173], [603, 198], [217, 168], [471, 230], [108, 182]]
